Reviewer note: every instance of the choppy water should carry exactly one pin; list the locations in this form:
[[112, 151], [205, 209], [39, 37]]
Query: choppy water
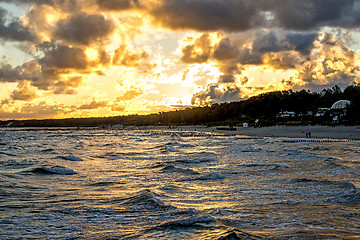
[[115, 184]]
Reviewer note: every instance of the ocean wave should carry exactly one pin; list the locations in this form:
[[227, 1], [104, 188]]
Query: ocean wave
[[60, 170], [146, 200], [160, 146], [48, 150], [347, 197], [340, 172], [202, 221], [338, 184], [172, 168], [205, 177], [169, 149], [170, 189], [117, 155], [8, 154], [264, 166], [166, 147], [236, 234], [71, 158], [104, 184], [195, 161], [251, 149]]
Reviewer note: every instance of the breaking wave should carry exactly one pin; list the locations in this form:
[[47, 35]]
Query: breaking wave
[[145, 200], [60, 170]]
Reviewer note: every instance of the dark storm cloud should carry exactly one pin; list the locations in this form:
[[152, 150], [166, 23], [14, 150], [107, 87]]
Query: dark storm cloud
[[312, 14], [206, 15], [230, 15], [300, 42], [63, 57], [116, 5], [27, 71], [275, 41], [14, 30], [84, 28], [10, 74], [241, 15], [65, 5], [214, 93], [226, 50]]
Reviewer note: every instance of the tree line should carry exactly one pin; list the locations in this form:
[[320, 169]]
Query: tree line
[[264, 107]]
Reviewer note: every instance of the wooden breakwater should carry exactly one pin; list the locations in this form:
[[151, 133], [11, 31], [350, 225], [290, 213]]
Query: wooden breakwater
[[188, 133], [317, 140]]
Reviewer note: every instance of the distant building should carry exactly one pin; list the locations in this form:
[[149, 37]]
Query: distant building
[[286, 114], [321, 112], [340, 105], [339, 108]]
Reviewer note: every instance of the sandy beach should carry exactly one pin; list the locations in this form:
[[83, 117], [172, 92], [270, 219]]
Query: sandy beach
[[337, 132]]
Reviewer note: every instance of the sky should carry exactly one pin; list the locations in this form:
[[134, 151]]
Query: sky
[[99, 58]]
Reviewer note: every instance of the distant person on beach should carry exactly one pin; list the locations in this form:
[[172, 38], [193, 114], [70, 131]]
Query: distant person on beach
[[257, 123], [335, 120]]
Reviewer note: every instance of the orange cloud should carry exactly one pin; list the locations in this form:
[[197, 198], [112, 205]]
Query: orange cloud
[[24, 92], [129, 95], [94, 104]]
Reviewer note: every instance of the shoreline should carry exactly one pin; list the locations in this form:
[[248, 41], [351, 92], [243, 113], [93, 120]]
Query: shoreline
[[317, 132]]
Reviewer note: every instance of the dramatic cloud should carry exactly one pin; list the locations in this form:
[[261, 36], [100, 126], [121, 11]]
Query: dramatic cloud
[[198, 51], [63, 57], [64, 5], [232, 15], [84, 28], [15, 30], [313, 14], [116, 5], [216, 93], [27, 71], [242, 15], [24, 92], [331, 63], [68, 86], [169, 51], [206, 15], [34, 111], [94, 104], [129, 58], [250, 51], [129, 95]]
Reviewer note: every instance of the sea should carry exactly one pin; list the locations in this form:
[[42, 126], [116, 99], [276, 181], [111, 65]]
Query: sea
[[161, 184]]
